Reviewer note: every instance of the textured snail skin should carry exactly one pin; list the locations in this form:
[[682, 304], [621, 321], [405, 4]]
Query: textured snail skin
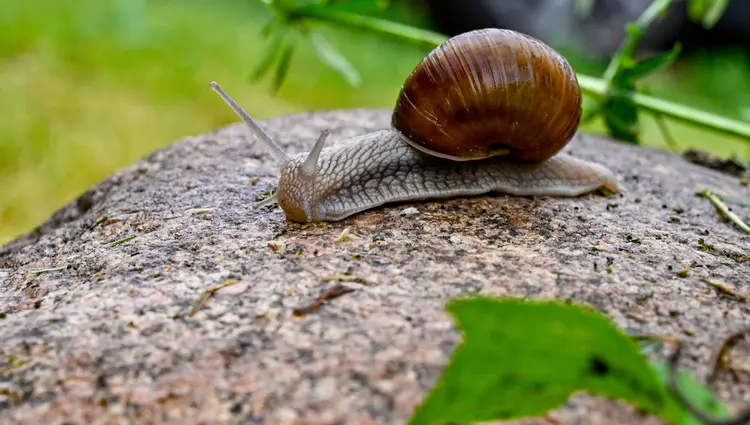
[[487, 92], [380, 168]]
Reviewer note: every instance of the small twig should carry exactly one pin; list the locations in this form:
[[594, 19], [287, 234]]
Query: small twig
[[720, 360], [725, 290], [13, 364], [122, 241], [329, 294], [649, 342], [51, 269], [317, 276], [334, 278], [263, 202], [104, 218], [99, 221], [346, 234], [345, 278], [740, 419], [208, 294], [724, 210], [650, 337]]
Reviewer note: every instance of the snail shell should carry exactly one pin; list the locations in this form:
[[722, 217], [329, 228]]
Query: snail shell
[[490, 92]]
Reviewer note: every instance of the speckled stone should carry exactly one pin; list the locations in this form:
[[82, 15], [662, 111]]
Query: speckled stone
[[125, 334]]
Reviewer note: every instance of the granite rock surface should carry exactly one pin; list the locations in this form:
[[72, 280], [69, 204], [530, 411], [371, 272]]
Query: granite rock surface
[[168, 299]]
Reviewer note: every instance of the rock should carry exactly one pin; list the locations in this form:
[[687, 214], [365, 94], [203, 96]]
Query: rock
[[203, 316]]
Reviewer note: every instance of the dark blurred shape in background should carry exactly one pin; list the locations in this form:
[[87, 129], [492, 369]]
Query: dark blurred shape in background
[[599, 32]]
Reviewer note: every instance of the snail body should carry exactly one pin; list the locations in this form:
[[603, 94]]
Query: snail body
[[487, 111]]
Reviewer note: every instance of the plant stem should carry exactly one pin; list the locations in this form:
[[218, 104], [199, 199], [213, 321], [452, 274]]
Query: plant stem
[[724, 210], [597, 87], [655, 9], [590, 85], [422, 38]]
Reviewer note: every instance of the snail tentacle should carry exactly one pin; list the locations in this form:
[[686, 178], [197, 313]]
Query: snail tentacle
[[309, 168], [255, 129]]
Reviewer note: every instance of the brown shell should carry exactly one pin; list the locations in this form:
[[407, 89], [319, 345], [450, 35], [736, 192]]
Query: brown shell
[[488, 92]]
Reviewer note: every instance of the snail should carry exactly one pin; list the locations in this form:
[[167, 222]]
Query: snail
[[487, 111]]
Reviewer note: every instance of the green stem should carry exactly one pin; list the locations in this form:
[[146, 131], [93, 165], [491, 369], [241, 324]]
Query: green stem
[[422, 38], [589, 85], [597, 87], [649, 15]]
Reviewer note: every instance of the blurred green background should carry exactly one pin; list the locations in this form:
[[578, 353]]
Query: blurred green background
[[90, 86]]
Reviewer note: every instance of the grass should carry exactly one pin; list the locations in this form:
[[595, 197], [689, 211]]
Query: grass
[[93, 85]]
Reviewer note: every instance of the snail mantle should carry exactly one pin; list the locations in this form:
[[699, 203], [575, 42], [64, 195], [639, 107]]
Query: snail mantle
[[120, 326]]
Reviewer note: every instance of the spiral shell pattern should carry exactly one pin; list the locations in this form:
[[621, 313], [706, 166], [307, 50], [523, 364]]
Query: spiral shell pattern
[[490, 92]]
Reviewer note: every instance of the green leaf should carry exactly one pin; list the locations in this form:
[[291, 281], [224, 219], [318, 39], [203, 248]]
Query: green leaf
[[591, 110], [620, 115], [269, 55], [697, 9], [627, 77], [699, 396], [707, 12], [334, 59], [625, 54], [383, 4], [283, 67], [267, 28], [522, 358], [635, 32]]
